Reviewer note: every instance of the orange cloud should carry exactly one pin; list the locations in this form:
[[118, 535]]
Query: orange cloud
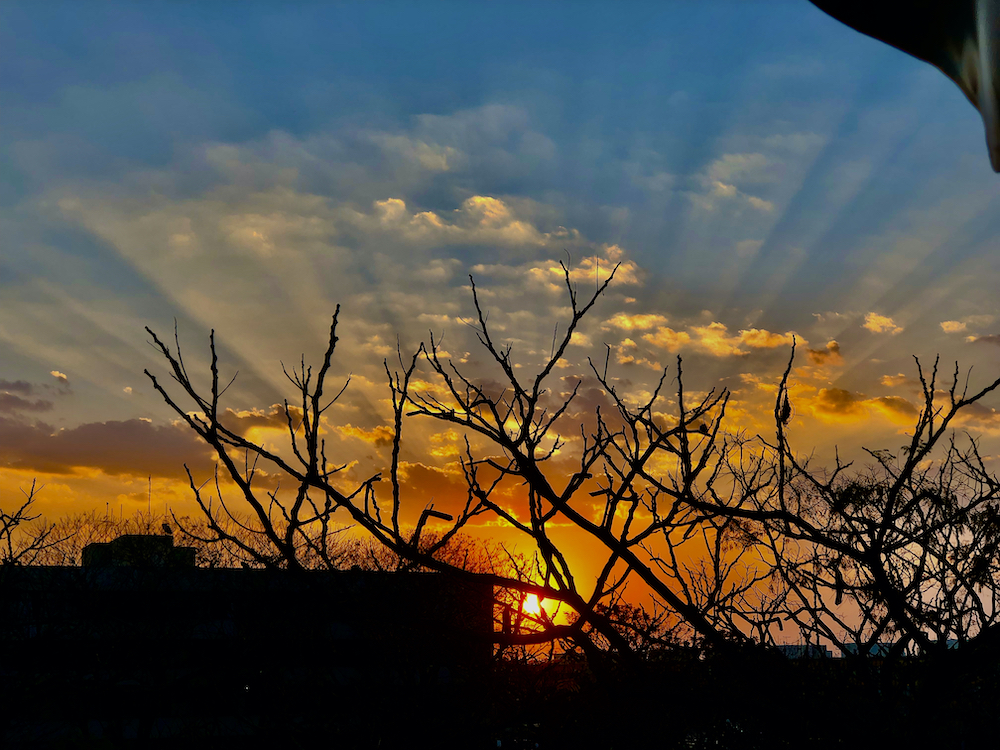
[[894, 381], [715, 340], [836, 403], [881, 324], [628, 322], [758, 338], [978, 416], [378, 436], [830, 355], [667, 338], [895, 408], [242, 421]]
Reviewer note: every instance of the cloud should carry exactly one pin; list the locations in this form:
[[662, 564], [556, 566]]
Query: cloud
[[978, 416], [830, 355], [881, 324], [895, 408], [837, 404], [957, 326], [10, 403], [899, 379], [16, 386], [760, 204], [720, 182], [714, 339], [989, 339], [830, 316], [638, 322], [379, 436], [758, 338], [732, 167], [127, 390], [667, 338], [432, 157], [131, 448], [60, 376], [241, 421], [422, 484]]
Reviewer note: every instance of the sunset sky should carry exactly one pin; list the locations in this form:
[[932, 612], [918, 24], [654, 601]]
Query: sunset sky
[[759, 170]]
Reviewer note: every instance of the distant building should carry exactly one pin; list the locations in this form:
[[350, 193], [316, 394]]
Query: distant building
[[805, 651], [880, 649], [139, 550]]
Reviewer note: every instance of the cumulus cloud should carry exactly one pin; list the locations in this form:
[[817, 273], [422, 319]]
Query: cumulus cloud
[[958, 326], [242, 420], [829, 355], [721, 182], [60, 376], [838, 404], [423, 483], [899, 379], [733, 167], [716, 340], [757, 338], [881, 324], [895, 408], [988, 339], [430, 156], [760, 204], [979, 416], [379, 436], [667, 338], [637, 322]]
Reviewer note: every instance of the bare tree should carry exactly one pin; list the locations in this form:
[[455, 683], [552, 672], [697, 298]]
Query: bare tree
[[24, 535], [901, 552], [734, 536], [290, 528]]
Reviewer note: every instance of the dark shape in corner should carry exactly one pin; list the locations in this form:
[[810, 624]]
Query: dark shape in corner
[[961, 38]]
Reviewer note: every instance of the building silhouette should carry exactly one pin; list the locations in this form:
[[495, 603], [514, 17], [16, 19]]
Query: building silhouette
[[140, 646]]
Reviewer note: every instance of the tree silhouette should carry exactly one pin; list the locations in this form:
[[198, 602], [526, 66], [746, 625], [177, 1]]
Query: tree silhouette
[[734, 536], [24, 536]]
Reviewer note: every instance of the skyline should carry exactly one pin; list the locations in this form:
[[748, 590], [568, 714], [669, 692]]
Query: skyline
[[759, 171]]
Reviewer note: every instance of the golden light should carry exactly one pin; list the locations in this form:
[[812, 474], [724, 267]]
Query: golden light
[[532, 606]]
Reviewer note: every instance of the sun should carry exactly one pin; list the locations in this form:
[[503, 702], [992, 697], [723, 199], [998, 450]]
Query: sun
[[531, 605]]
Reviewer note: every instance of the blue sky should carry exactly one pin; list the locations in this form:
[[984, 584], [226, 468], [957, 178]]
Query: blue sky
[[760, 169]]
